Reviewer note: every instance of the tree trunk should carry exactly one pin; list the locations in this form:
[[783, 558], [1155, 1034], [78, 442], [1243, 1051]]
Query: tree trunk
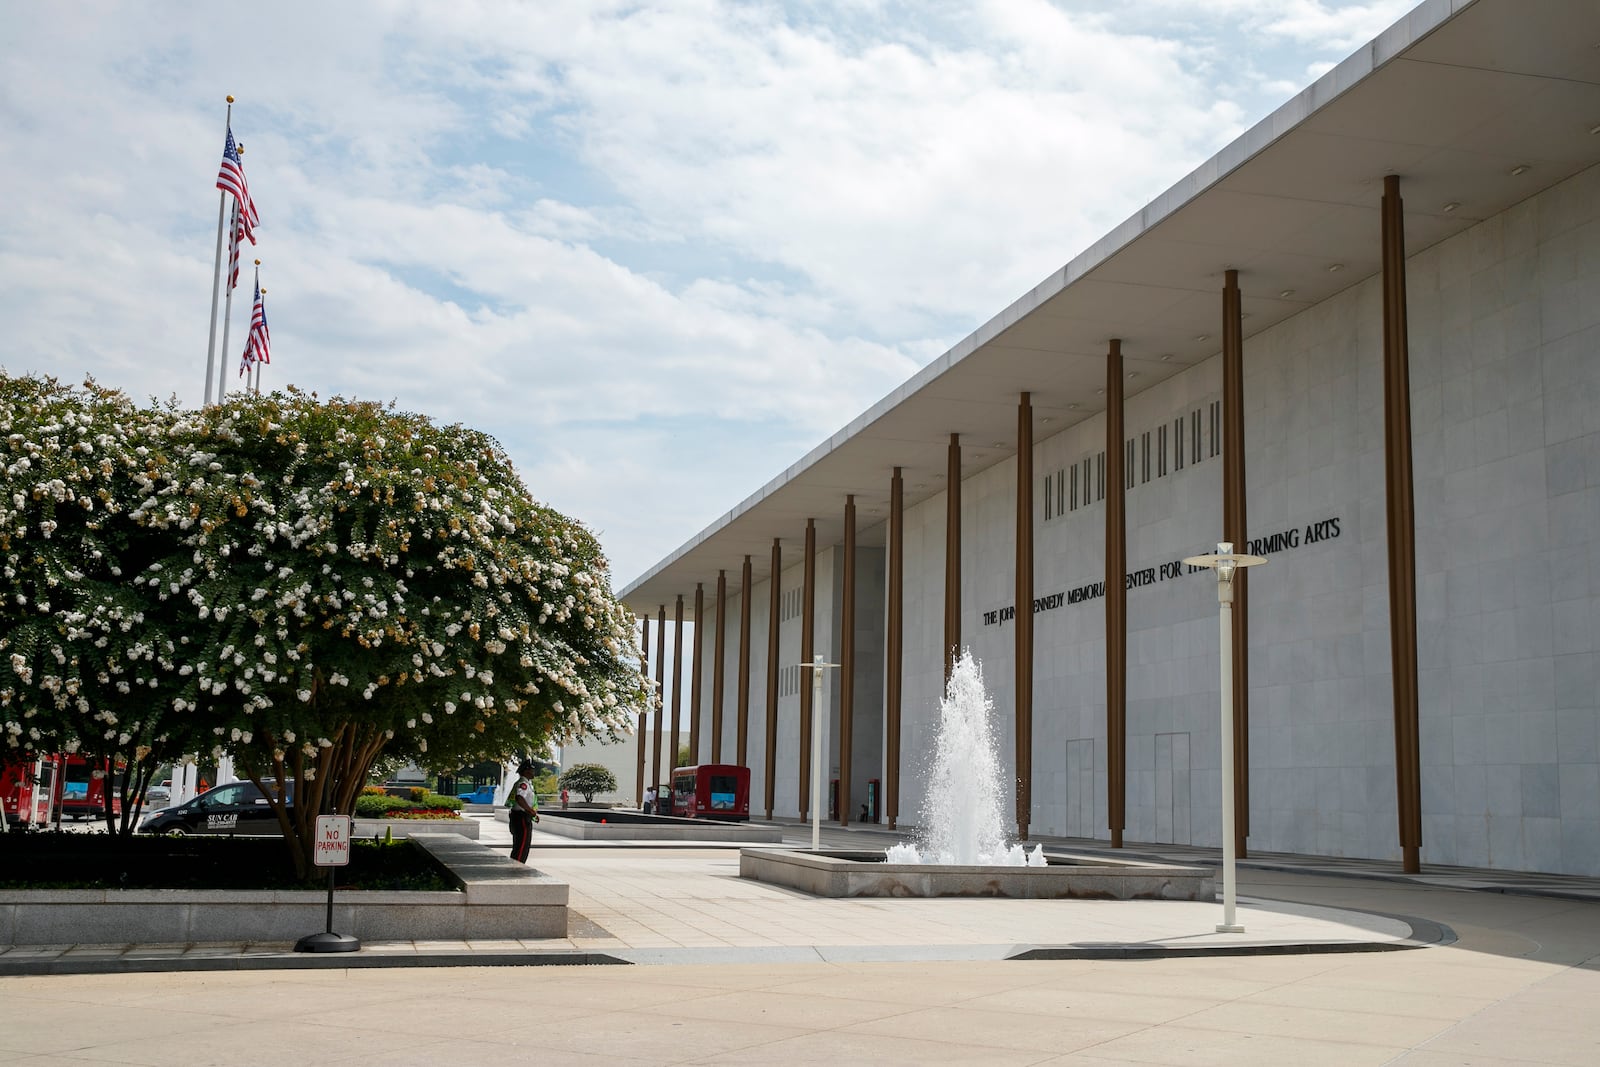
[[337, 774]]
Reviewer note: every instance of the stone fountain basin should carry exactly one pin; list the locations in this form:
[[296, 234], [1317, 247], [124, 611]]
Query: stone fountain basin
[[865, 873]]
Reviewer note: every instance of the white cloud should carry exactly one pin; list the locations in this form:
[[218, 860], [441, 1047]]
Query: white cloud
[[1342, 28], [1336, 26], [881, 170], [658, 250]]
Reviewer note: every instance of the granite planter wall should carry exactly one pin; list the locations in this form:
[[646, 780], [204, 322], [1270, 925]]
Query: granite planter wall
[[498, 898], [657, 828], [410, 827]]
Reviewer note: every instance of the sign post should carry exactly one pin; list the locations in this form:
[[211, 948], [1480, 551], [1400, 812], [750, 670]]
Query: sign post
[[816, 667], [1226, 562], [331, 849]]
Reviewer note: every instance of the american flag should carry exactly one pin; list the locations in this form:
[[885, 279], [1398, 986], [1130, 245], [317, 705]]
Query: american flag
[[230, 179], [258, 348]]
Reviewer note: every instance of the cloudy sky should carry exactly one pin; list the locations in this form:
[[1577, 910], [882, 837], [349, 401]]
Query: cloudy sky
[[658, 249]]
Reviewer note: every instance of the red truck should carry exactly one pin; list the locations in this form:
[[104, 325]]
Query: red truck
[[711, 791], [52, 787]]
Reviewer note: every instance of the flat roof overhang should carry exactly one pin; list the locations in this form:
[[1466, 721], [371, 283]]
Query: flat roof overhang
[[1456, 98]]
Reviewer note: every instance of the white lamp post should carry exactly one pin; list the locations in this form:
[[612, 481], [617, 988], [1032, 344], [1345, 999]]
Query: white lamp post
[[1225, 562], [816, 667]]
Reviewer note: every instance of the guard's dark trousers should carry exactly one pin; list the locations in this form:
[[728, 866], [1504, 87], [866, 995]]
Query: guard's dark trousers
[[521, 834]]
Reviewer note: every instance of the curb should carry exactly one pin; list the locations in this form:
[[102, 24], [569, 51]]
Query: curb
[[295, 961], [1425, 933]]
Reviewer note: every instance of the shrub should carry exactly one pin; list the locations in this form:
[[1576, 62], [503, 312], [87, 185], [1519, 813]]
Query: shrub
[[381, 806], [370, 806], [423, 813], [56, 860]]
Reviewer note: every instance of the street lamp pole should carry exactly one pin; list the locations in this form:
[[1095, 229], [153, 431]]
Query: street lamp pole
[[816, 667], [1226, 563]]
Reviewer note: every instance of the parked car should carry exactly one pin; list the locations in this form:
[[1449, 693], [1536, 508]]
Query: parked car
[[156, 796], [238, 808], [484, 794]]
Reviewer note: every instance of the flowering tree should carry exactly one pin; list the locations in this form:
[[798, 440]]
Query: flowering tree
[[588, 779], [82, 667], [332, 581]]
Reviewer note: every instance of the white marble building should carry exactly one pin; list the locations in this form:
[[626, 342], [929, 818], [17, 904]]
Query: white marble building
[[1491, 120]]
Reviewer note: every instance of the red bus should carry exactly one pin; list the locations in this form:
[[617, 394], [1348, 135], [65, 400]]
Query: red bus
[[52, 787], [711, 791]]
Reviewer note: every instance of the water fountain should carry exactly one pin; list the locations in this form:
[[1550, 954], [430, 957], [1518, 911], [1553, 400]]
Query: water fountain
[[962, 810], [963, 849]]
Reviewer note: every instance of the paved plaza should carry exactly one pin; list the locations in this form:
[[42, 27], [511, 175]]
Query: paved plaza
[[671, 958]]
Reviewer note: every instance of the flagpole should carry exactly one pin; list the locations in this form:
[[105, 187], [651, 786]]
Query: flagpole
[[216, 280], [227, 307]]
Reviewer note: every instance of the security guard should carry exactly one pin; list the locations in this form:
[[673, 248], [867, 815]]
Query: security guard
[[524, 805]]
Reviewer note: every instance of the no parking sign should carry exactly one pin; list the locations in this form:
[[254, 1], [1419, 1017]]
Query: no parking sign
[[332, 845]]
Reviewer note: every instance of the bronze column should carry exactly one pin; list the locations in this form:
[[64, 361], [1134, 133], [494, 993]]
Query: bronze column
[[773, 621], [1234, 529], [1023, 658], [952, 556], [717, 664], [847, 660], [742, 727], [1116, 602], [698, 656], [1402, 528], [893, 648], [808, 614], [677, 681], [644, 712], [661, 691]]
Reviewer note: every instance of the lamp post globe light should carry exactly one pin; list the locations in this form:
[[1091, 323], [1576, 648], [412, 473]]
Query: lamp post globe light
[[1226, 562], [816, 667]]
